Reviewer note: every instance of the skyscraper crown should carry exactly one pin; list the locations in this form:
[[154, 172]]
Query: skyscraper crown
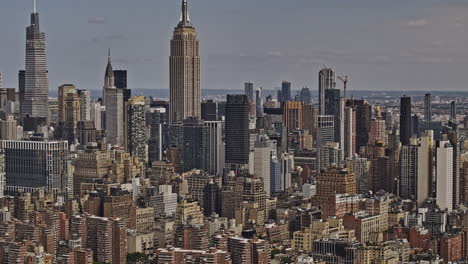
[[184, 18], [109, 76]]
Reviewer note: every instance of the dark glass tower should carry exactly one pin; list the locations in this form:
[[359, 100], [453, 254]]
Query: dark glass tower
[[237, 129], [120, 82], [428, 107], [285, 91], [405, 120], [209, 110]]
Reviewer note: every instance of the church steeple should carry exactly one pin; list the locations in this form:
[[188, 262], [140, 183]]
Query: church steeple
[[184, 18], [109, 77]]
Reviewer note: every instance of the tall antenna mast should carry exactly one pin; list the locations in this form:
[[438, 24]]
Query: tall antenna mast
[[34, 7]]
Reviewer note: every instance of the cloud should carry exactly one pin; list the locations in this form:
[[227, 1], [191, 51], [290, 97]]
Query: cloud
[[459, 21], [418, 23], [97, 20], [110, 37], [275, 54]]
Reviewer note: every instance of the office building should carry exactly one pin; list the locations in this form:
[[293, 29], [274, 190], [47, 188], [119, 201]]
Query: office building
[[216, 152], [91, 164], [136, 128], [53, 111], [335, 181], [363, 116], [63, 92], [212, 199], [165, 201], [69, 112], [85, 106], [428, 107], [34, 165], [335, 251], [36, 83], [327, 80], [195, 145], [334, 106], [285, 92], [305, 95], [8, 129], [237, 132], [409, 170], [292, 115], [361, 167], [98, 115], [209, 110], [184, 69], [444, 175], [325, 130], [86, 132], [120, 79], [264, 149], [250, 91], [259, 102], [377, 128], [453, 111], [405, 120], [425, 166], [349, 136], [275, 176]]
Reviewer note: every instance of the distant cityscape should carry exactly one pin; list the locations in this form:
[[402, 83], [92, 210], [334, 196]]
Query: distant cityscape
[[323, 175]]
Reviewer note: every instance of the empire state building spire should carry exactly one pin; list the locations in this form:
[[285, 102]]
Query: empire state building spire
[[184, 18]]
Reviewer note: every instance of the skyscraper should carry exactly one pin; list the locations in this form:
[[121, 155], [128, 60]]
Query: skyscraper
[[409, 170], [444, 174], [349, 136], [36, 86], [209, 110], [215, 154], [363, 117], [264, 150], [292, 115], [184, 70], [136, 128], [453, 111], [325, 130], [195, 145], [285, 91], [425, 166], [334, 106], [250, 91], [428, 107], [113, 101], [326, 81], [305, 95], [405, 120], [259, 102], [237, 130]]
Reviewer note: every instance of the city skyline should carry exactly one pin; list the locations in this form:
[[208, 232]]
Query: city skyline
[[433, 46]]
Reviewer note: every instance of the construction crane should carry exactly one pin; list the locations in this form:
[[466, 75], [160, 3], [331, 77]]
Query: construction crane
[[344, 79]]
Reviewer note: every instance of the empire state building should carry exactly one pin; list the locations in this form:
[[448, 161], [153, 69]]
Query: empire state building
[[184, 64]]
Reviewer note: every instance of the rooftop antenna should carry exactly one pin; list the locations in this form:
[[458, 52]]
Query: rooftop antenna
[[34, 7]]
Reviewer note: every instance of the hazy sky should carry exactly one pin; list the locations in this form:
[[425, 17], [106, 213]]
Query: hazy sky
[[380, 44]]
